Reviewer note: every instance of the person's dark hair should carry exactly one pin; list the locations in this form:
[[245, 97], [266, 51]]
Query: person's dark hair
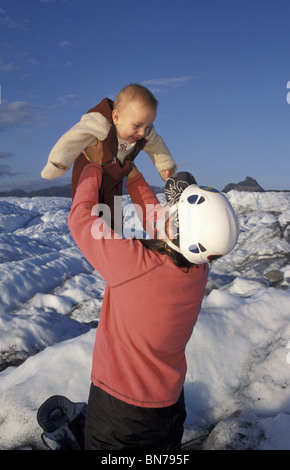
[[161, 247]]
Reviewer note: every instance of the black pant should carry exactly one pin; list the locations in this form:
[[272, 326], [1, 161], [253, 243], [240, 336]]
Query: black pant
[[112, 424]]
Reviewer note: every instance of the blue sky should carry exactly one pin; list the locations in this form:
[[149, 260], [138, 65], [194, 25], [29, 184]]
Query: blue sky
[[220, 70]]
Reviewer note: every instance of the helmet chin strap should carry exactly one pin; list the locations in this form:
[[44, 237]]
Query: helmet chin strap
[[172, 245], [160, 225]]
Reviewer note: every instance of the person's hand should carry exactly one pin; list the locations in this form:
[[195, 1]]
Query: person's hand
[[133, 172], [166, 173], [95, 153]]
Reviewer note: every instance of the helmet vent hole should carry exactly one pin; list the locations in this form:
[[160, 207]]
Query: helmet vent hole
[[199, 248], [193, 249], [202, 248], [201, 200], [195, 199], [192, 199]]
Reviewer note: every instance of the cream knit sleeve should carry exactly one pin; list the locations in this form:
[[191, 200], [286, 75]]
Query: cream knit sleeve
[[158, 152], [91, 128]]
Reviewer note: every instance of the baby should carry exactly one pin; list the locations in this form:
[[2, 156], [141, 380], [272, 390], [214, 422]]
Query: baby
[[121, 129]]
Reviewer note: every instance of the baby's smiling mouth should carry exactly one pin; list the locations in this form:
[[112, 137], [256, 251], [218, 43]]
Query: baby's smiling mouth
[[133, 138]]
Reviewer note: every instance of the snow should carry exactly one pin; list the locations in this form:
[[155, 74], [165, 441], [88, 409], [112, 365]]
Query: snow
[[238, 381]]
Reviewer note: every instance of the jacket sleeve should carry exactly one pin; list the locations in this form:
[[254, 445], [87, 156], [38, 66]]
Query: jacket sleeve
[[91, 128], [116, 259], [149, 209], [158, 151]]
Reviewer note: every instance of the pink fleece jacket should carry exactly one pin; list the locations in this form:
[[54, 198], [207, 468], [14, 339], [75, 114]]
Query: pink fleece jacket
[[149, 309]]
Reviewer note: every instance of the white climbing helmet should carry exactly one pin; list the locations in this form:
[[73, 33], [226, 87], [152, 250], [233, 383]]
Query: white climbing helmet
[[206, 226]]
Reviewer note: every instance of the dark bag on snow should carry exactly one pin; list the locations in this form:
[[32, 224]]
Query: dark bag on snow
[[63, 423]]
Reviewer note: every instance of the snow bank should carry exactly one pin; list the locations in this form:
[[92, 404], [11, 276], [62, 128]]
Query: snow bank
[[238, 356]]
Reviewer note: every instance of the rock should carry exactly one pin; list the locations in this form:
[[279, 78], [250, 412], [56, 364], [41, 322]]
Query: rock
[[234, 433], [249, 184], [274, 276]]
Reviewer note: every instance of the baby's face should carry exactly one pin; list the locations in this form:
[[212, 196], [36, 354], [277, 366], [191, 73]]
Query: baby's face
[[134, 120]]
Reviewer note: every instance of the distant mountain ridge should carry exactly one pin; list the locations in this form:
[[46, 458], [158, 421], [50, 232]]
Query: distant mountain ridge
[[54, 191], [249, 184]]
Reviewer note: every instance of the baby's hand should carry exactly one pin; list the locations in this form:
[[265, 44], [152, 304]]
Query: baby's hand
[[166, 173]]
